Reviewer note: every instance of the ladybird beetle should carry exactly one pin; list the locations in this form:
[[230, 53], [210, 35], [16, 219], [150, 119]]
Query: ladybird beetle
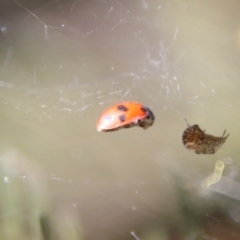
[[196, 139], [125, 115]]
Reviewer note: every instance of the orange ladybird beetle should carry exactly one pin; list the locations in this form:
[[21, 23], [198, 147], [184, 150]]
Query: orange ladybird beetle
[[194, 138], [125, 115]]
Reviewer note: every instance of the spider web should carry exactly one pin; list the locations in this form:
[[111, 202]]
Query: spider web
[[63, 62]]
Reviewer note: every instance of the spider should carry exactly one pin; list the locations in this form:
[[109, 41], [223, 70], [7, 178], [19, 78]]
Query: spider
[[194, 138]]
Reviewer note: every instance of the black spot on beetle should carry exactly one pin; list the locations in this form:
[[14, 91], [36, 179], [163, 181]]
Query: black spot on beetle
[[144, 109], [122, 108], [122, 118]]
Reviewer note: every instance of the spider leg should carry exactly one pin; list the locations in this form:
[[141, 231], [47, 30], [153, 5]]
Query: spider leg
[[187, 122]]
